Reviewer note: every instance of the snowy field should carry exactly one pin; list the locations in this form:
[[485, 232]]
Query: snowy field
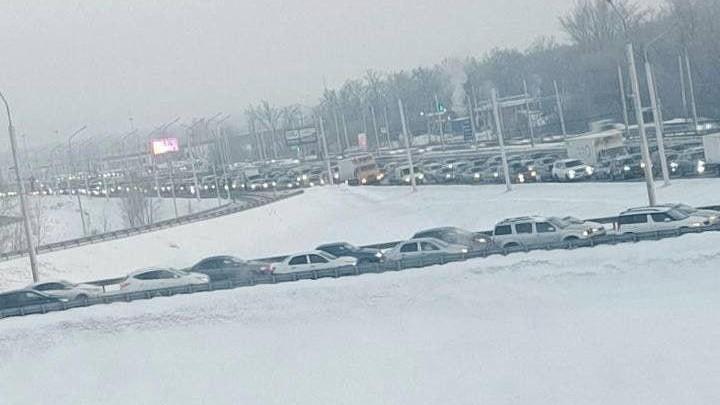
[[627, 324], [61, 214]]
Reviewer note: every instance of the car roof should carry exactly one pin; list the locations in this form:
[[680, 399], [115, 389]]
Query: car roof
[[33, 285], [647, 210], [416, 240], [533, 218], [24, 290], [147, 269], [438, 229], [327, 245]]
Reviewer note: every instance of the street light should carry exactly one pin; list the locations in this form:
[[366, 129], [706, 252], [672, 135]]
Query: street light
[[23, 197], [72, 173], [637, 101]]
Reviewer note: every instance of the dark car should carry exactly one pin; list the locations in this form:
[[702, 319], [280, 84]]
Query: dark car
[[220, 268], [23, 298], [457, 236], [363, 255]]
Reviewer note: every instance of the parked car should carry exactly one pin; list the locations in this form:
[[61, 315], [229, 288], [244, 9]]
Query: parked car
[[713, 216], [571, 170], [315, 260], [457, 236], [67, 290], [658, 218], [156, 277], [22, 298], [423, 247], [220, 268], [537, 230], [363, 255]]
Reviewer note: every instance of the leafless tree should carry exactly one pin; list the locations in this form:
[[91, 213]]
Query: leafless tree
[[594, 24], [138, 209]]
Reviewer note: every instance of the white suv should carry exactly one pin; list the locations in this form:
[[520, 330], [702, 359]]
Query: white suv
[[658, 218], [570, 170], [538, 231]]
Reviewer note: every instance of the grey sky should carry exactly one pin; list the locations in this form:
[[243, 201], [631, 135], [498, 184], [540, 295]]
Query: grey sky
[[66, 63]]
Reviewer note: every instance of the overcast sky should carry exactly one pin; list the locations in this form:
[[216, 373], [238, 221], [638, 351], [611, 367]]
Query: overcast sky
[[67, 63]]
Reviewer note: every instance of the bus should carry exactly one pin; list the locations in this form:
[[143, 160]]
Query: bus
[[361, 169]]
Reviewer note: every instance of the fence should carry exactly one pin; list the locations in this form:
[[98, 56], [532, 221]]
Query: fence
[[346, 271], [251, 201]]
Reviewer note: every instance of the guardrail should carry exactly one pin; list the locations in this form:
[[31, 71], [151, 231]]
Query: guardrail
[[251, 201], [346, 271]]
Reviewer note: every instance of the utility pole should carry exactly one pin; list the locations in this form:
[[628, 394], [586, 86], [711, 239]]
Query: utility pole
[[331, 178], [649, 182], [440, 121], [496, 113], [337, 132], [375, 127], [683, 94], [23, 198], [387, 126], [345, 129], [693, 105], [561, 114], [623, 99], [172, 186], [73, 173], [471, 111], [527, 111], [657, 117], [413, 185]]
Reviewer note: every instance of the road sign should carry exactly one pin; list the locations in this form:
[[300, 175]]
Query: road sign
[[302, 136]]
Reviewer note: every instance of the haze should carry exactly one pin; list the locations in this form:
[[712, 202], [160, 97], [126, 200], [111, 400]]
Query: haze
[[71, 63]]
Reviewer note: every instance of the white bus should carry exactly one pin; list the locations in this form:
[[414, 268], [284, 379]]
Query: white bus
[[360, 169]]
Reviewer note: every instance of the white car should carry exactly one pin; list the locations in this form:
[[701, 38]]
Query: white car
[[155, 278], [712, 215], [423, 246], [314, 260], [67, 290], [658, 218], [538, 231], [571, 170]]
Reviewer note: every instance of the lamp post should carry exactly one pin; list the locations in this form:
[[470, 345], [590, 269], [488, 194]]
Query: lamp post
[[637, 101], [72, 173], [23, 197], [406, 135]]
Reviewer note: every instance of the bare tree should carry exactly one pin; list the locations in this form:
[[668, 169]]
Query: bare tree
[[270, 117], [593, 24], [138, 209]]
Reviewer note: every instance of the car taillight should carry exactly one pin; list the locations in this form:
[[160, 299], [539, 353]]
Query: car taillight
[[125, 284]]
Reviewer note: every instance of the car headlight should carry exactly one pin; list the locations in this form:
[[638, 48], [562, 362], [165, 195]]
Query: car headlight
[[571, 174], [701, 167], [379, 255], [521, 178], [696, 224], [674, 165], [447, 176], [713, 218], [364, 181], [464, 250], [533, 173], [586, 233], [496, 174], [480, 240], [626, 168], [589, 170], [476, 175]]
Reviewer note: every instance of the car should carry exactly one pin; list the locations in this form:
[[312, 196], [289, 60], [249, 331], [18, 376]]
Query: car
[[220, 268], [689, 163], [712, 215], [457, 236], [154, 278], [314, 260], [571, 170], [423, 247], [67, 290], [657, 218], [23, 298], [363, 255], [537, 231]]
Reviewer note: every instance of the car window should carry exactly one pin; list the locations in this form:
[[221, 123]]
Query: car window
[[317, 259], [523, 228], [49, 287], [632, 219], [298, 260], [409, 247], [661, 217], [428, 247], [503, 230], [9, 300], [150, 275], [31, 298], [544, 227], [209, 264]]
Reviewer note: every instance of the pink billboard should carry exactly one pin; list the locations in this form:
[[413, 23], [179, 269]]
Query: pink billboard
[[165, 145]]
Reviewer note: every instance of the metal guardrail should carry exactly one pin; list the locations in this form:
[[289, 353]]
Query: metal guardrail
[[252, 201], [346, 271]]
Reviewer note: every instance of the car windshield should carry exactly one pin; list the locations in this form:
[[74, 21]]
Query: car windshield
[[677, 214], [573, 163], [685, 209]]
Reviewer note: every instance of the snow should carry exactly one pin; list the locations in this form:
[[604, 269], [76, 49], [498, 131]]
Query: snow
[[62, 214], [626, 324], [357, 215]]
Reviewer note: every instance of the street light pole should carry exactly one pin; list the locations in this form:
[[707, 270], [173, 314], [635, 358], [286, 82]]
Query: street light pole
[[658, 121], [413, 185], [331, 179], [561, 114], [623, 98], [496, 113], [691, 86], [527, 111], [23, 197], [72, 171]]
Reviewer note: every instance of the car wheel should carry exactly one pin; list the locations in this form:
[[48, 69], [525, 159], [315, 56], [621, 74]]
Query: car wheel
[[81, 297], [511, 245], [571, 239]]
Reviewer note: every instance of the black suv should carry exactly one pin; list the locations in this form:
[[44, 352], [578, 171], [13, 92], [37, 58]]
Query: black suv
[[363, 255]]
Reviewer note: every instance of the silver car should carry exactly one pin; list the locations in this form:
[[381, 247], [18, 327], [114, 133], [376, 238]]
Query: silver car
[[423, 247], [67, 290], [538, 231]]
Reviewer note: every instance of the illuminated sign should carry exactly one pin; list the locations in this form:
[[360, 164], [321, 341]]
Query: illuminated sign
[[165, 145]]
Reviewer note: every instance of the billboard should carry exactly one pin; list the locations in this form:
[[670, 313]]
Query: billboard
[[164, 145], [297, 137], [362, 141]]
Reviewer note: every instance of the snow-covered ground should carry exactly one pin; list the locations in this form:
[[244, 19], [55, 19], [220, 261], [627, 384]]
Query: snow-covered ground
[[626, 324], [629, 324], [61, 214], [357, 215]]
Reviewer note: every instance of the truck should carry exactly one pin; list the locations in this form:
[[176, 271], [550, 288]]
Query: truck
[[593, 147], [711, 146], [358, 170]]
